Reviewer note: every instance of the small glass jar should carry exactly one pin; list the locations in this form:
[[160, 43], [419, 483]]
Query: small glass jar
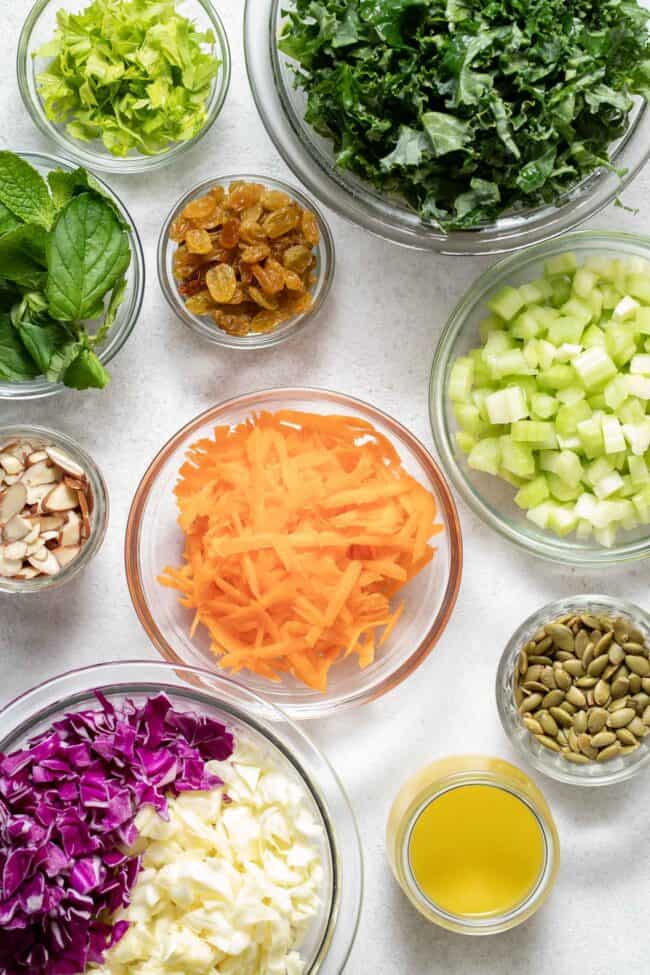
[[440, 778], [98, 505]]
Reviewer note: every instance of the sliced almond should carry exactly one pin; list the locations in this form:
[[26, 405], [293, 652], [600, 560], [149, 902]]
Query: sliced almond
[[27, 572], [41, 473], [10, 464], [48, 536], [9, 567], [12, 502], [21, 450], [36, 457], [66, 463], [37, 492], [49, 523], [16, 550], [33, 534], [76, 483], [61, 498], [85, 514], [16, 529], [65, 554], [48, 565], [71, 532]]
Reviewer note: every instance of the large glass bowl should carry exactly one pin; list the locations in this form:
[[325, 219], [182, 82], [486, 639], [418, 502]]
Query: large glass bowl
[[329, 939], [98, 509], [489, 497], [282, 109], [203, 324], [39, 28], [550, 762], [154, 540], [128, 312]]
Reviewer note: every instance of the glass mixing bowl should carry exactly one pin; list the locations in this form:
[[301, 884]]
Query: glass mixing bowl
[[282, 109], [128, 311], [489, 497], [329, 939], [39, 28], [154, 540]]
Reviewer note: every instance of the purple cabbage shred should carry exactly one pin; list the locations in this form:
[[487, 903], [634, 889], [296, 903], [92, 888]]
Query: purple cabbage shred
[[68, 803]]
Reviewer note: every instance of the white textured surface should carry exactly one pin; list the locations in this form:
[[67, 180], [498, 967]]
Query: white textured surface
[[375, 340]]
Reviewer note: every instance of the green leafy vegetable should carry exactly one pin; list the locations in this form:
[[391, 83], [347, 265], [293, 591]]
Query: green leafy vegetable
[[53, 282], [88, 251], [133, 73], [470, 108], [24, 192]]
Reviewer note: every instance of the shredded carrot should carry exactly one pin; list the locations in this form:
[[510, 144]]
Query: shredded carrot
[[300, 530]]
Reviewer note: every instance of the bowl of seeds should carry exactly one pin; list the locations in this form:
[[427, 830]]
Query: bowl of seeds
[[573, 690], [53, 509]]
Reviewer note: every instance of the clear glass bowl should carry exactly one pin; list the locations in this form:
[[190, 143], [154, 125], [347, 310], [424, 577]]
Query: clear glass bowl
[[546, 761], [489, 497], [128, 312], [329, 939], [432, 782], [154, 540], [39, 28], [203, 325], [282, 109], [98, 513]]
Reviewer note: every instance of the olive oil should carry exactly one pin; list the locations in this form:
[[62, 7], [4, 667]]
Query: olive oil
[[476, 850]]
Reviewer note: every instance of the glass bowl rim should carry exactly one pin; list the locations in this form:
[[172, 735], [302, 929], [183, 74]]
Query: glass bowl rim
[[121, 165], [447, 506], [40, 387], [101, 509], [551, 549], [571, 775], [47, 695], [374, 213], [325, 249]]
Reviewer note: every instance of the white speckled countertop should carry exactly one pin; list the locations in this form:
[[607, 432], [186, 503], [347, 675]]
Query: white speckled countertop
[[375, 340]]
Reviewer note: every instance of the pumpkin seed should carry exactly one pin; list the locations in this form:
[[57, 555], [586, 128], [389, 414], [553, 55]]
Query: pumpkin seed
[[645, 684], [553, 698], [621, 718], [635, 635], [620, 687], [563, 719], [603, 645], [572, 739], [580, 722], [588, 656], [637, 727], [548, 679], [575, 696], [636, 648], [548, 743], [612, 751], [603, 739], [581, 641], [523, 662], [576, 758], [549, 724], [539, 635], [543, 646], [586, 683], [625, 736], [596, 720], [561, 635], [646, 717], [569, 708], [590, 621], [586, 747], [534, 672], [638, 665], [628, 749], [534, 685], [616, 654], [621, 702], [533, 725], [601, 692], [539, 659], [530, 703], [562, 679], [597, 666], [574, 668], [563, 655], [635, 683]]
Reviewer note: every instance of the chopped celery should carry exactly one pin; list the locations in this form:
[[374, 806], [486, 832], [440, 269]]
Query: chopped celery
[[533, 493], [517, 458], [640, 363], [543, 406], [506, 405], [594, 367], [506, 303], [465, 441], [639, 473], [485, 456], [461, 379], [561, 264], [565, 330], [535, 433], [613, 438]]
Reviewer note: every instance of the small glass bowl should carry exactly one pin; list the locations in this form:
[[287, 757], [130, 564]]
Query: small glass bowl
[[329, 939], [39, 28], [128, 312], [98, 513], [203, 325], [154, 540], [543, 759], [432, 782], [311, 157], [489, 497]]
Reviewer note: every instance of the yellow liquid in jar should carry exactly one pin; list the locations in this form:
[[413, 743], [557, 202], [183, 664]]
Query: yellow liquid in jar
[[476, 850]]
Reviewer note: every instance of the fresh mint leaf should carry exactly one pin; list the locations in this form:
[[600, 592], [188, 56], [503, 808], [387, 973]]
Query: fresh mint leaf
[[116, 299], [22, 256], [65, 185], [86, 372], [42, 341], [16, 365], [87, 253], [23, 191], [8, 220], [62, 358]]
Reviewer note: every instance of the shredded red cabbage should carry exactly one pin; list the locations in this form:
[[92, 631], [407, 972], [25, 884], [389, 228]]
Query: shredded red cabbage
[[67, 808]]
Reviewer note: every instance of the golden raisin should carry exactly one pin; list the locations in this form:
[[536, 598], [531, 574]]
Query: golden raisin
[[274, 200], [185, 264], [221, 282], [280, 222], [299, 303], [251, 232], [297, 258], [217, 193], [229, 236], [198, 242], [232, 323], [243, 195], [252, 214], [200, 303], [270, 276], [179, 228], [309, 226], [269, 302], [293, 281], [214, 219], [199, 209], [266, 321], [255, 253]]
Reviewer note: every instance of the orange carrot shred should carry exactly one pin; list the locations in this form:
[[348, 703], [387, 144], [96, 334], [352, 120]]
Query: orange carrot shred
[[299, 529]]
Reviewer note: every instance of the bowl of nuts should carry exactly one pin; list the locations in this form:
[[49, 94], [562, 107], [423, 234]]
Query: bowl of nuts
[[53, 509], [573, 690], [245, 261]]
